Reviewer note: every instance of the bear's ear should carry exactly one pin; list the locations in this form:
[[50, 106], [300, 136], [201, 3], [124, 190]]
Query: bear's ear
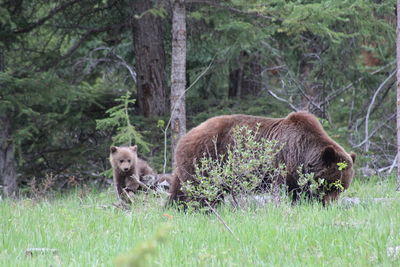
[[329, 155], [133, 148], [353, 156], [113, 149]]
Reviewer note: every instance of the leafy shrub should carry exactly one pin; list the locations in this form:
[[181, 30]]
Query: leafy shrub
[[249, 165], [309, 186]]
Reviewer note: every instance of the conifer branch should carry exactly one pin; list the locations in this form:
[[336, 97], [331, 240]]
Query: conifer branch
[[231, 9], [51, 14]]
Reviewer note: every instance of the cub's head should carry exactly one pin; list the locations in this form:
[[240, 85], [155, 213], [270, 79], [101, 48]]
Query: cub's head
[[335, 166], [123, 158]]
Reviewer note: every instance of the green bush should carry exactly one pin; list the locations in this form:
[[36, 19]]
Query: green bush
[[249, 165], [309, 186]]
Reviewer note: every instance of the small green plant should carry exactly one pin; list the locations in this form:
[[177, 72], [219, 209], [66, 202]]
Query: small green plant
[[308, 184], [118, 120], [336, 185], [317, 187], [140, 255], [342, 165], [248, 165], [161, 124]]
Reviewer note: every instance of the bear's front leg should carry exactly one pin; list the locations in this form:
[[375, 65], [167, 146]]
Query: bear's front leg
[[119, 184]]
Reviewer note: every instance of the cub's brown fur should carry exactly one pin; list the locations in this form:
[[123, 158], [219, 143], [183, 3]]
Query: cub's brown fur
[[305, 143], [125, 164]]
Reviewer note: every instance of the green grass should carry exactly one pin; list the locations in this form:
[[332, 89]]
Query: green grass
[[91, 232]]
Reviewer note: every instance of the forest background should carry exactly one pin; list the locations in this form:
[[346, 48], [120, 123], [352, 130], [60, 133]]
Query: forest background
[[79, 76]]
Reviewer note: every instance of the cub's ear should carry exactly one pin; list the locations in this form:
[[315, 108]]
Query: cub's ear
[[133, 148], [113, 149], [353, 156], [329, 155]]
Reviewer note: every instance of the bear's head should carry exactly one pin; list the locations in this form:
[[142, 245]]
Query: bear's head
[[123, 158], [335, 166]]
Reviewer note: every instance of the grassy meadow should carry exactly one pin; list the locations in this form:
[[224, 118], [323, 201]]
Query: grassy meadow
[[87, 230]]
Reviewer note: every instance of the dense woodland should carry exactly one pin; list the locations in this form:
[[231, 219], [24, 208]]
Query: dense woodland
[[77, 76]]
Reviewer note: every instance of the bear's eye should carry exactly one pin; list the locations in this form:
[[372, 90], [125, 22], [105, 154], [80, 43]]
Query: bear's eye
[[121, 161], [129, 161]]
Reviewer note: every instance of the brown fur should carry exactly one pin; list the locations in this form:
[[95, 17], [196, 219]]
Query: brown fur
[[306, 143], [125, 164]]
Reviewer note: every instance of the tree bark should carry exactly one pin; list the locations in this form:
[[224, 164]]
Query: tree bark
[[398, 93], [178, 73], [8, 172], [150, 59]]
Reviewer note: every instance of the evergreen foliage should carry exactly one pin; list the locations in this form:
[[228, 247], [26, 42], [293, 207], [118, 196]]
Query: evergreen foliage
[[50, 122], [120, 120]]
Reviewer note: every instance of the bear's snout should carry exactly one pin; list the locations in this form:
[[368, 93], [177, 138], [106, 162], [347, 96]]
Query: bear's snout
[[125, 167]]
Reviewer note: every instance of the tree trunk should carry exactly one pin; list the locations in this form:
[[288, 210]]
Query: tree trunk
[[178, 73], [398, 93], [2, 62], [8, 174], [150, 59], [246, 78], [235, 82]]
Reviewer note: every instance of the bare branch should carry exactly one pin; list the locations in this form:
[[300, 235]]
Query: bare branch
[[382, 85], [283, 100], [310, 100], [127, 195], [158, 192], [221, 220], [336, 93], [375, 130], [390, 167], [393, 164], [136, 179], [113, 58]]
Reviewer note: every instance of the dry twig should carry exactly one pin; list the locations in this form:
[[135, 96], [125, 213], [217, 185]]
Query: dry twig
[[221, 220]]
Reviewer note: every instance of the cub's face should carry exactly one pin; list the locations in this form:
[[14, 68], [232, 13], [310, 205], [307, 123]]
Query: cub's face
[[123, 158]]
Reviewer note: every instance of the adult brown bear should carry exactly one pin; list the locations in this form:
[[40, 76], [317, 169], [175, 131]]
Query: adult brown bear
[[305, 143]]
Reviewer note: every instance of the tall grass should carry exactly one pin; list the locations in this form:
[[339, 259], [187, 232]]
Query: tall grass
[[92, 232]]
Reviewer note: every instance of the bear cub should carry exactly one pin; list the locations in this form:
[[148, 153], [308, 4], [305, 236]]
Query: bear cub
[[128, 168]]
